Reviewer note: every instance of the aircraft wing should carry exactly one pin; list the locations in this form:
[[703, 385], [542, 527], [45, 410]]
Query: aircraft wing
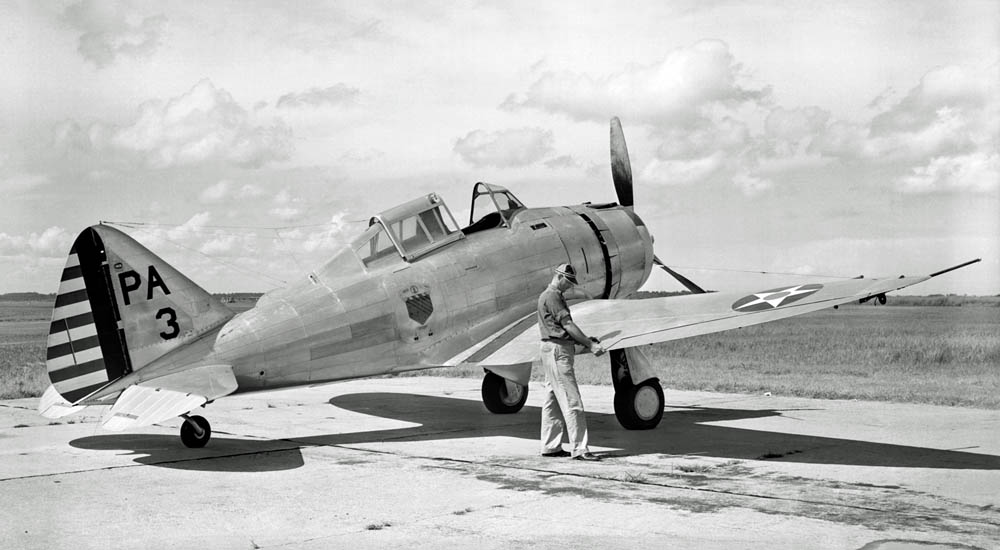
[[165, 397], [628, 323]]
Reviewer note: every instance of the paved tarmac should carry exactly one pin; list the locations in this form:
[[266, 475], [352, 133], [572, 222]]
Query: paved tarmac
[[420, 463]]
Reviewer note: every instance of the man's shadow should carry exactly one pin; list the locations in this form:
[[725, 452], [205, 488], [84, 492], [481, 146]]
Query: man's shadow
[[682, 432]]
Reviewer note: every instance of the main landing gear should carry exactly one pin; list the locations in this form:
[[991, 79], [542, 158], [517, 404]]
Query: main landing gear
[[195, 431], [501, 396], [637, 406]]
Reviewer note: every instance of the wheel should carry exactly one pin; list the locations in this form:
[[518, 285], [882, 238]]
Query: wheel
[[189, 433], [639, 407], [502, 396]]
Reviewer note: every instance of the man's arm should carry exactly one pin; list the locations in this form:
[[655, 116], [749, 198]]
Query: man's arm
[[574, 331]]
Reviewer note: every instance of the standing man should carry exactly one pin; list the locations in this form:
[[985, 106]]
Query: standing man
[[562, 411]]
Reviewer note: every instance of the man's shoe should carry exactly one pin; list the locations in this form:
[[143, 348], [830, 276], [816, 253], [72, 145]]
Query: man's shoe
[[556, 454], [589, 457]]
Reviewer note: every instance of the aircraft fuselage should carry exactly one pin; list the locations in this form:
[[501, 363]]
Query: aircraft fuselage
[[347, 321]]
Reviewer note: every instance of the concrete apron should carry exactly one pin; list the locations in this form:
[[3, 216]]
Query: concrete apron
[[420, 462]]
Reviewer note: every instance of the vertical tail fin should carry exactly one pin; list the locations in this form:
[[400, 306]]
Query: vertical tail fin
[[119, 307]]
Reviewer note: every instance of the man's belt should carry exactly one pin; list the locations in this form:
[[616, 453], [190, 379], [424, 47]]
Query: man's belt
[[560, 341]]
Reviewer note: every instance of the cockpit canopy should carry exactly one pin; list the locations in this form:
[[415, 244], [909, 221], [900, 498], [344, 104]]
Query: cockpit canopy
[[423, 225], [409, 231], [492, 206]]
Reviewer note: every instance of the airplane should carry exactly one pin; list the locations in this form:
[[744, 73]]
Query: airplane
[[412, 291]]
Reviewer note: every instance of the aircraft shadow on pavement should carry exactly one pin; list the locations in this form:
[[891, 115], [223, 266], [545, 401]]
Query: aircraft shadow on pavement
[[682, 432], [223, 454]]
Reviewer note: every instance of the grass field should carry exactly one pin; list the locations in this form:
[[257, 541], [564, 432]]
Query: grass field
[[917, 354], [24, 327]]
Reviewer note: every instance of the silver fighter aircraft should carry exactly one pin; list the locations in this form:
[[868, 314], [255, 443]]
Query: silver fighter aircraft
[[413, 291]]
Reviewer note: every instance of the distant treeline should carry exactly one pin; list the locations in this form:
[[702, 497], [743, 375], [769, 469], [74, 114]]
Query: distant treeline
[[948, 300], [953, 300], [226, 297], [27, 297]]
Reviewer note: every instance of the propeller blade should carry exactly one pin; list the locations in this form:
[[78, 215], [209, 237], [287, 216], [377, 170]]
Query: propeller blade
[[621, 169], [695, 289]]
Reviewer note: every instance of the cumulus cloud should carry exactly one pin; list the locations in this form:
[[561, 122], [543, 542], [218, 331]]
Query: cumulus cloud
[[696, 103], [362, 156], [112, 30], [194, 227], [679, 90], [286, 213], [288, 207], [790, 131], [226, 191], [751, 185], [338, 94], [726, 135], [505, 148], [216, 193], [53, 242], [250, 191], [219, 245], [203, 125], [941, 136], [978, 171], [22, 181], [952, 88], [327, 239], [562, 161], [686, 171], [195, 234], [712, 127]]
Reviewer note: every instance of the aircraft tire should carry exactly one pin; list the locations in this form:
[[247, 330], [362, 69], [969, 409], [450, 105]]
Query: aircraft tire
[[639, 407], [188, 435], [501, 396]]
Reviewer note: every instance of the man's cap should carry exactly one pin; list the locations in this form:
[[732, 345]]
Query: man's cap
[[567, 271]]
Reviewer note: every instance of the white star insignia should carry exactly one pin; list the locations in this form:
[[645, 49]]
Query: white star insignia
[[775, 299]]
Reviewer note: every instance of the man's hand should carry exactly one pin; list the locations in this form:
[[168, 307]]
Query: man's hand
[[596, 348]]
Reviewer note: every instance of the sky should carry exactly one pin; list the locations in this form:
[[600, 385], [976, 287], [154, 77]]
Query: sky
[[245, 142]]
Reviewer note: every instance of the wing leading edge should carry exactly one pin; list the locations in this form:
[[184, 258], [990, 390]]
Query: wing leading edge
[[629, 323]]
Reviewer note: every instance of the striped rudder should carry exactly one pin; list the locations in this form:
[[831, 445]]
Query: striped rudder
[[120, 308], [86, 346]]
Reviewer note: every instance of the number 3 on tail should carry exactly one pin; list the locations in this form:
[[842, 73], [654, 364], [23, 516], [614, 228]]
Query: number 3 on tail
[[171, 316]]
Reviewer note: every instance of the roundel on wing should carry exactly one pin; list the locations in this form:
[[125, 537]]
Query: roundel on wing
[[774, 298]]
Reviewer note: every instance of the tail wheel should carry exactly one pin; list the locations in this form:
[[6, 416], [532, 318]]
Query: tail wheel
[[501, 396], [195, 431], [639, 407]]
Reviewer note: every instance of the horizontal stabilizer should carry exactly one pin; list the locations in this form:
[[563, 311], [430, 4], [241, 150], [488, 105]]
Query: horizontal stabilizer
[[52, 405], [170, 396]]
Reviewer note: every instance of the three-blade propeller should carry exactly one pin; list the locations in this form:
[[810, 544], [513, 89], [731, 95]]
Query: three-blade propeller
[[621, 173]]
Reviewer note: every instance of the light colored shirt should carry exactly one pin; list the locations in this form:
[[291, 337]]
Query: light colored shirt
[[552, 313]]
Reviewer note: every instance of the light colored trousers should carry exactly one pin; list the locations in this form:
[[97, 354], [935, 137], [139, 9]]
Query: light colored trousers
[[562, 410]]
